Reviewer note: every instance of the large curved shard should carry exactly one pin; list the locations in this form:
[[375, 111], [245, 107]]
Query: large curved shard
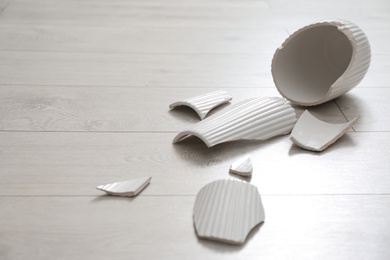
[[203, 104], [313, 134], [258, 118], [227, 210]]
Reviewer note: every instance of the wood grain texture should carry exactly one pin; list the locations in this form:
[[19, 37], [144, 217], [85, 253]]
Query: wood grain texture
[[373, 15], [373, 106], [25, 108], [3, 5], [138, 13], [317, 227], [372, 19], [112, 39], [376, 36], [143, 70], [169, 70], [84, 94], [75, 163]]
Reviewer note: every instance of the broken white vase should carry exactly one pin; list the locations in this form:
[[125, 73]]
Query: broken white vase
[[242, 167], [203, 104], [227, 210], [313, 134], [258, 118], [128, 188], [320, 62]]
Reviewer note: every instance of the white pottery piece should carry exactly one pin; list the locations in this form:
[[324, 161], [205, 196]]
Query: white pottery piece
[[253, 119], [126, 188], [242, 167], [320, 62], [227, 210], [313, 134], [203, 104]]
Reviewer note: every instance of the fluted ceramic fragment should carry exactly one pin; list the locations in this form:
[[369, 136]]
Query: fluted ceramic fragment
[[313, 134], [227, 210], [126, 188], [242, 167], [254, 119], [203, 104], [321, 61]]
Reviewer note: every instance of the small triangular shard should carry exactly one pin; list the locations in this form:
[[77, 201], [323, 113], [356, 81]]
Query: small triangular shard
[[128, 188], [242, 167]]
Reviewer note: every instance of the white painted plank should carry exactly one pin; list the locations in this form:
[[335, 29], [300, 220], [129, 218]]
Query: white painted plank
[[75, 163], [377, 75], [372, 18], [373, 106], [140, 40], [180, 70], [129, 13], [143, 70], [296, 227], [378, 38], [84, 68], [115, 108], [295, 14], [3, 5]]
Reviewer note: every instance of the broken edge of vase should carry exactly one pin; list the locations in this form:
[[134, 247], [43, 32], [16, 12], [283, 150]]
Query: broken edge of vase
[[258, 118], [128, 188], [203, 104], [313, 134], [242, 167]]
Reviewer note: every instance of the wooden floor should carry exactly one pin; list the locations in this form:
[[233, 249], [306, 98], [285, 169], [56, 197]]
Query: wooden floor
[[84, 94]]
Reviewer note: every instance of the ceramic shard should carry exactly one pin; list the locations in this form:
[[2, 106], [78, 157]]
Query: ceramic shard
[[254, 119], [242, 167], [227, 210], [128, 188], [313, 134], [203, 104]]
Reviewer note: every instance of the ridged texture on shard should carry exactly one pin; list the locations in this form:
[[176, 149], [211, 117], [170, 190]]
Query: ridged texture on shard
[[242, 167], [300, 79], [227, 210], [254, 119], [360, 61], [126, 188], [203, 104]]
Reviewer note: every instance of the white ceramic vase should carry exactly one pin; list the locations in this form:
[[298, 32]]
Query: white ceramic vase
[[320, 62]]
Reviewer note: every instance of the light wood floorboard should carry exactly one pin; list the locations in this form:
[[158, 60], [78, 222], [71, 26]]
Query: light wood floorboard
[[143, 70], [75, 163], [84, 93], [139, 13], [371, 104], [118, 109], [162, 70], [296, 227], [108, 39]]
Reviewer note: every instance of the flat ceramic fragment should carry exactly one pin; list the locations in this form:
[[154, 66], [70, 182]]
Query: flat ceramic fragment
[[227, 210], [313, 134], [242, 167], [203, 104], [320, 62], [126, 188], [258, 118]]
